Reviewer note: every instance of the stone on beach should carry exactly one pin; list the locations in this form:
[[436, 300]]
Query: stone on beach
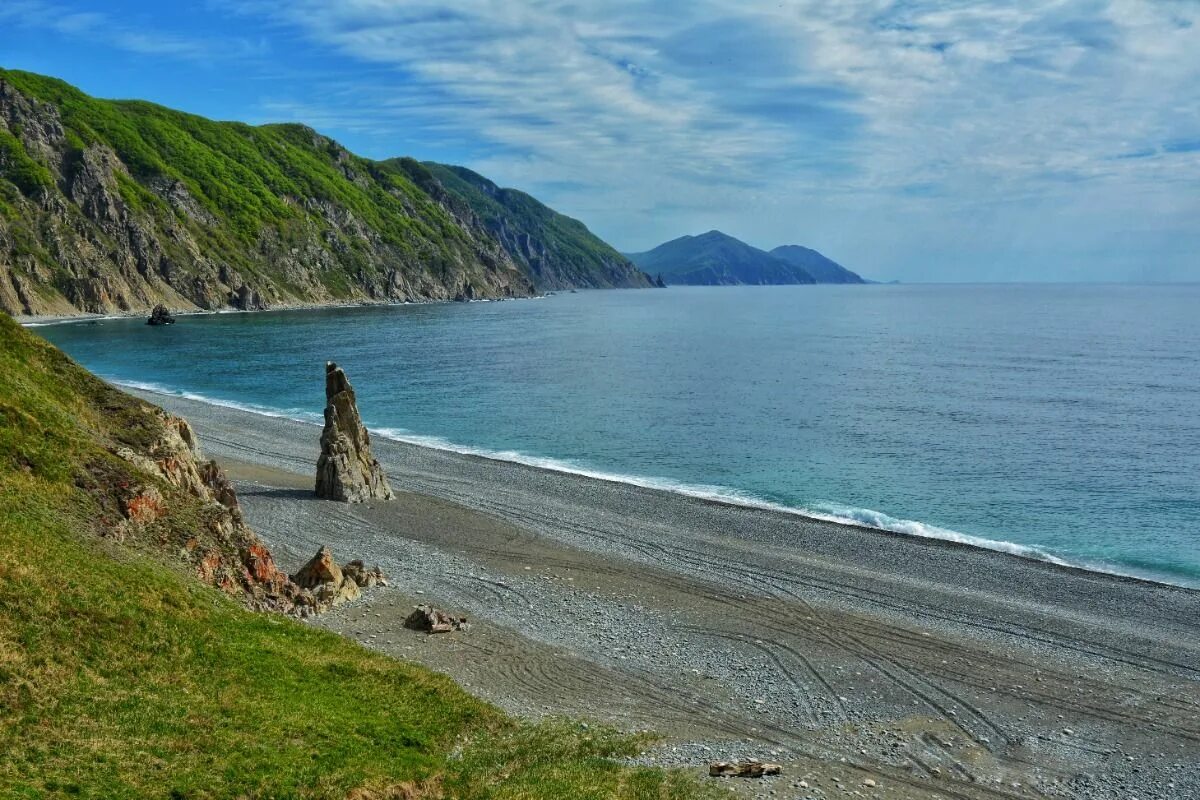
[[346, 470], [332, 585], [320, 569], [357, 571], [434, 620], [742, 769]]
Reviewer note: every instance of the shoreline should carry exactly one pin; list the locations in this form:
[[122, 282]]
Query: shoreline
[[938, 669], [732, 498], [41, 320]]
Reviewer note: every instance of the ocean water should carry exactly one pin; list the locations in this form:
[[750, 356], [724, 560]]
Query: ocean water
[[1060, 422]]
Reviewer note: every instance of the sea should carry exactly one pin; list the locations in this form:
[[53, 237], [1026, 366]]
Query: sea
[[1059, 422]]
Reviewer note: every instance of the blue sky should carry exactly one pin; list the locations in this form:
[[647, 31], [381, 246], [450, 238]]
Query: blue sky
[[914, 140]]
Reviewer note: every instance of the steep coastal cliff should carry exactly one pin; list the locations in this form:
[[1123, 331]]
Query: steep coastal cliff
[[113, 206]]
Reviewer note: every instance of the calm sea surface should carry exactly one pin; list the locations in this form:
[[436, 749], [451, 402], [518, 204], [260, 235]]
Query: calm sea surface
[[1060, 421]]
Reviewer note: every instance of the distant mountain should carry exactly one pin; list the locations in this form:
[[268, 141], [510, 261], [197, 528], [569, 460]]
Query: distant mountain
[[558, 251], [825, 270], [716, 259]]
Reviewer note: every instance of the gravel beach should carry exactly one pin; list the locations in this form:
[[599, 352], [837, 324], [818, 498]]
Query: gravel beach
[[867, 663]]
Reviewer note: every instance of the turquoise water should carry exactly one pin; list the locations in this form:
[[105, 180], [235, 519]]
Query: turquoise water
[[1058, 421]]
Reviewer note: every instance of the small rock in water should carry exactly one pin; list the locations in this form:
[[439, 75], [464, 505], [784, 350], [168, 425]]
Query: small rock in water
[[160, 316]]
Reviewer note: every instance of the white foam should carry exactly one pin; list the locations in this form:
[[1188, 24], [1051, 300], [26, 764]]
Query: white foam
[[825, 511], [295, 414], [835, 512]]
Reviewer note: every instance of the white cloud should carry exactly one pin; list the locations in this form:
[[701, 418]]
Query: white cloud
[[882, 131]]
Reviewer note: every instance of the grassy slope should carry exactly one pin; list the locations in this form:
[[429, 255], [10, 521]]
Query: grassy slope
[[241, 175], [121, 677], [575, 249]]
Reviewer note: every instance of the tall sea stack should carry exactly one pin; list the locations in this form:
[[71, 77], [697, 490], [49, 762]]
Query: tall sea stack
[[346, 470]]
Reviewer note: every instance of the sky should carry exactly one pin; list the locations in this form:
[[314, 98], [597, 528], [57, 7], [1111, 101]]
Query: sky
[[1043, 140]]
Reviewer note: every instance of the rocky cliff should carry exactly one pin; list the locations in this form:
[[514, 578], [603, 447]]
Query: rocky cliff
[[115, 206], [558, 252], [132, 475]]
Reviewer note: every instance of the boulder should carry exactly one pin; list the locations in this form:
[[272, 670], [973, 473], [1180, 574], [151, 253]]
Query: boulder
[[434, 620], [160, 316], [330, 585], [319, 570], [346, 470], [357, 571]]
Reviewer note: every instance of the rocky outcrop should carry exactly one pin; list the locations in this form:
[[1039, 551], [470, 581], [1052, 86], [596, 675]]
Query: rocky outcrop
[[346, 470], [160, 316], [332, 585], [216, 542], [433, 620], [223, 551]]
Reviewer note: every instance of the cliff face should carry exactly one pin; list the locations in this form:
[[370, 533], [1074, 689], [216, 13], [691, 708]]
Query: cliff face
[[558, 252], [132, 475], [111, 206]]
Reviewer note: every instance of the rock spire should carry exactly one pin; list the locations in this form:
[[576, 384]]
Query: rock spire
[[346, 470]]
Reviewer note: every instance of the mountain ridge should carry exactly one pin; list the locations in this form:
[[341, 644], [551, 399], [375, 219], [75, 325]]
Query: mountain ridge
[[559, 251], [114, 206], [718, 259]]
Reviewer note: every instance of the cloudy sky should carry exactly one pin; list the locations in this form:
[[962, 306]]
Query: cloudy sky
[[914, 140]]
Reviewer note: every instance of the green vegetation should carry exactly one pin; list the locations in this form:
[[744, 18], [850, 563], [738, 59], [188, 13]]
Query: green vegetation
[[16, 165], [571, 255], [282, 205], [239, 172], [122, 677]]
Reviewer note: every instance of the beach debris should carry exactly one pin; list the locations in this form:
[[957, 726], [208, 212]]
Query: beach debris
[[434, 620], [346, 470], [332, 585], [751, 768]]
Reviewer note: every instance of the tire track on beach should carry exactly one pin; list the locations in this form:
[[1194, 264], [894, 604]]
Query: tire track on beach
[[548, 524], [801, 691], [752, 581]]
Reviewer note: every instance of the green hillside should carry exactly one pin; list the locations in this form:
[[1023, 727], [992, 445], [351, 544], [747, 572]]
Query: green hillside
[[560, 252], [123, 676], [110, 206]]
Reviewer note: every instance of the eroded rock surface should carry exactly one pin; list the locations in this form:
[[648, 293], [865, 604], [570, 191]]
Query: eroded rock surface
[[346, 470], [434, 620], [222, 549], [332, 585]]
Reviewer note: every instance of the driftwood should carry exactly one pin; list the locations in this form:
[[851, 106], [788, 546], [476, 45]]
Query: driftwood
[[742, 769]]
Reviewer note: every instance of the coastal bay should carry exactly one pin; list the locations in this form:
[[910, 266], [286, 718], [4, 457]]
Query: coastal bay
[[931, 667]]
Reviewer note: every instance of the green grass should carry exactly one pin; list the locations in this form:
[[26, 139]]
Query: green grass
[[24, 172], [122, 677]]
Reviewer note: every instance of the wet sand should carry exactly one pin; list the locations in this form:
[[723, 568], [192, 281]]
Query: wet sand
[[845, 653]]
